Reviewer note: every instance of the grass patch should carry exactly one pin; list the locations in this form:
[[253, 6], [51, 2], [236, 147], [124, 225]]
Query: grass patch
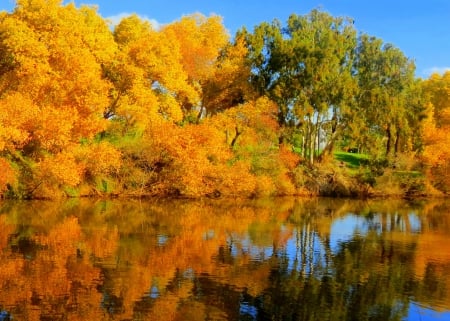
[[351, 160], [408, 174]]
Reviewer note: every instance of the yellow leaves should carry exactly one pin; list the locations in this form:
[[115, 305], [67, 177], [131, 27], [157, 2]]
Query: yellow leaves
[[252, 122], [201, 40], [99, 159], [228, 85], [265, 186], [131, 29], [54, 128], [96, 33], [155, 61], [17, 117], [436, 127], [60, 169], [21, 40], [170, 108], [68, 84]]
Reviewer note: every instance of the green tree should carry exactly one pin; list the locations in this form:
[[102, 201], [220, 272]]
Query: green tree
[[306, 68], [385, 78]]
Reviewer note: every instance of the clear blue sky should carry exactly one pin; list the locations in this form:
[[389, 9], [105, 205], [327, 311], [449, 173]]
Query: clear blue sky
[[420, 28]]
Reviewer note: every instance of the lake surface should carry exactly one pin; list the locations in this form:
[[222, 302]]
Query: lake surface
[[283, 259]]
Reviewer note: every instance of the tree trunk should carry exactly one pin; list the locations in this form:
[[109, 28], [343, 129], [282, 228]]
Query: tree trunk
[[389, 140], [236, 136], [397, 142]]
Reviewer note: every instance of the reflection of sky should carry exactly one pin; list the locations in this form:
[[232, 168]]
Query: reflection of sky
[[342, 229], [245, 309], [258, 253], [162, 239], [314, 257], [414, 221], [420, 313]]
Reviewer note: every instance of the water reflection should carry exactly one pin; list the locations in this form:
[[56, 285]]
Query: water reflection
[[282, 259]]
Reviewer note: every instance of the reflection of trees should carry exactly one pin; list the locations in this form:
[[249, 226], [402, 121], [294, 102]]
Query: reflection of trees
[[260, 260]]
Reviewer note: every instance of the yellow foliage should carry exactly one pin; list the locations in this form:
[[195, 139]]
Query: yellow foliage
[[437, 124], [17, 121], [58, 54], [201, 39], [237, 180], [436, 130], [67, 80], [99, 159], [265, 186], [59, 169], [289, 159], [152, 67], [228, 85], [131, 29]]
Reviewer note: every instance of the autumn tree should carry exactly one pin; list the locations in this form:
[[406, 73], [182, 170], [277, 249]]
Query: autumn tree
[[228, 85], [53, 94], [436, 126], [142, 89], [200, 39]]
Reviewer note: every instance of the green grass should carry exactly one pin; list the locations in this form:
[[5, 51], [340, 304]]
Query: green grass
[[409, 174], [351, 160]]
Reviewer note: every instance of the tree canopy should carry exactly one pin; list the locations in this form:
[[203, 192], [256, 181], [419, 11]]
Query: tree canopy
[[186, 109]]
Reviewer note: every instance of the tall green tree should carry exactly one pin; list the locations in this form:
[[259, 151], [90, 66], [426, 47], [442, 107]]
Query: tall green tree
[[306, 68], [385, 78]]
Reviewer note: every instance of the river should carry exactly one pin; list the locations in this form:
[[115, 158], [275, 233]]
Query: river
[[272, 259]]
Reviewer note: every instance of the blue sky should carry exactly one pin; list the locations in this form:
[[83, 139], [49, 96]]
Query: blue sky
[[421, 29]]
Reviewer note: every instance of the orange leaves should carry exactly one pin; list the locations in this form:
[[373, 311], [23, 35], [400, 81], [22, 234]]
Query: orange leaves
[[228, 86], [154, 60], [99, 159], [75, 97], [74, 166], [436, 130], [288, 157], [191, 156], [60, 169], [7, 174], [17, 116], [58, 63], [201, 40], [436, 127], [55, 126]]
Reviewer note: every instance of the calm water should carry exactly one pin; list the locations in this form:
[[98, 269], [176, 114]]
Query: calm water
[[282, 259]]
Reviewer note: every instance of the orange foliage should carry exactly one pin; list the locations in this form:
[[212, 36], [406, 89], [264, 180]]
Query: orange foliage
[[201, 39], [436, 131], [57, 63], [288, 157], [228, 86], [56, 171], [75, 96], [148, 55], [18, 116], [7, 174], [99, 159]]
